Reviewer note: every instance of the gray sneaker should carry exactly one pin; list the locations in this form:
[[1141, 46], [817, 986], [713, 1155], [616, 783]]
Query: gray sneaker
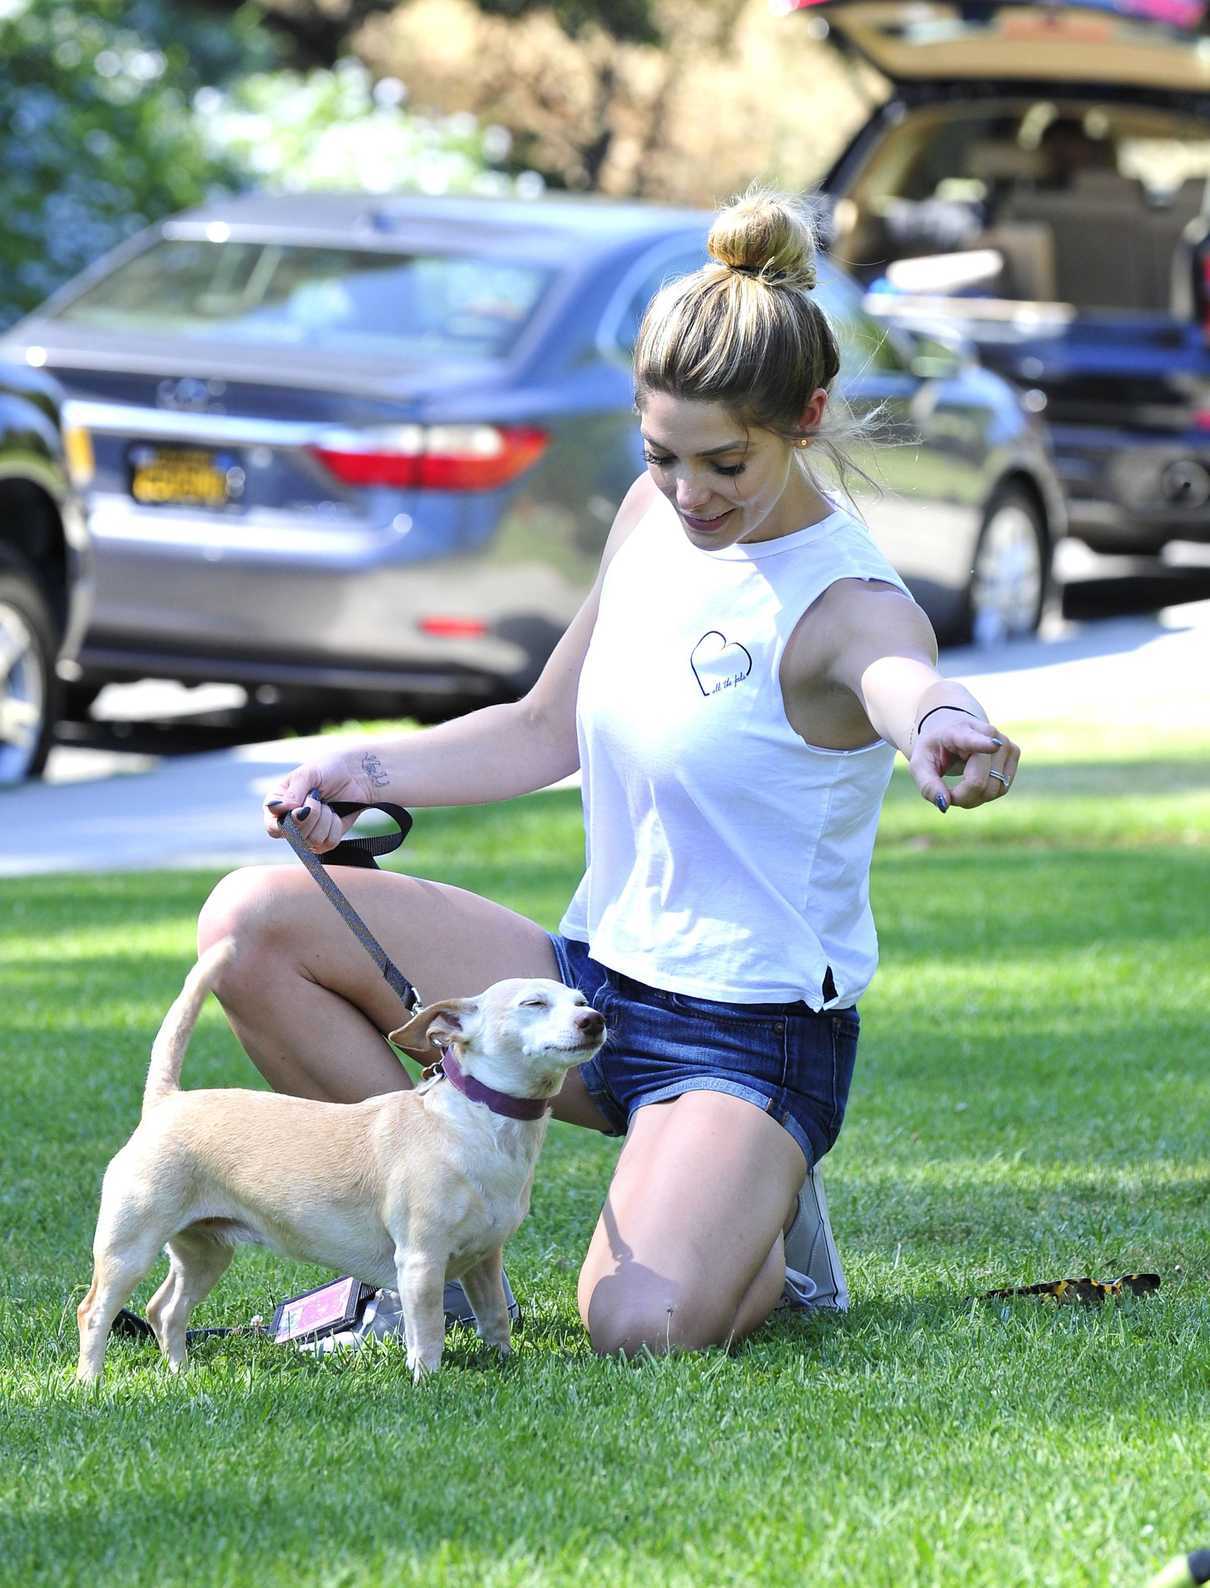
[[814, 1277]]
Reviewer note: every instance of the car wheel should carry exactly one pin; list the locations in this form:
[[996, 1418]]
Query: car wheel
[[76, 700], [1010, 578], [28, 686]]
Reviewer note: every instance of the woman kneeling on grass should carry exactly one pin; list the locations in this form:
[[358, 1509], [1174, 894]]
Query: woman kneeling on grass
[[733, 692]]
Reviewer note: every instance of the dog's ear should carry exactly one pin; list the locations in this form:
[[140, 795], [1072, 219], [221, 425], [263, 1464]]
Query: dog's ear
[[435, 1024]]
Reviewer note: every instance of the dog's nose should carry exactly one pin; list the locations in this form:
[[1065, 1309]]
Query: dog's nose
[[590, 1023]]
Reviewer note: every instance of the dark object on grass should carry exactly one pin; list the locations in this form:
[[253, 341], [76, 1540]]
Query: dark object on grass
[[1184, 1572], [342, 1306], [1093, 1291], [130, 1326]]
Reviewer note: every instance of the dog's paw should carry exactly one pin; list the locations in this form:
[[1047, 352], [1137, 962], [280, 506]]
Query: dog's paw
[[423, 1363]]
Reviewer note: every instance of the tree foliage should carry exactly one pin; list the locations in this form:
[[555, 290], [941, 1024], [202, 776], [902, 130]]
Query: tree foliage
[[337, 128], [306, 32], [101, 137], [119, 112], [317, 31], [628, 21], [730, 92]]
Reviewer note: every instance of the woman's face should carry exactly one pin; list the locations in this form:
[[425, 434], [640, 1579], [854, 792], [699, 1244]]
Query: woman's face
[[727, 481]]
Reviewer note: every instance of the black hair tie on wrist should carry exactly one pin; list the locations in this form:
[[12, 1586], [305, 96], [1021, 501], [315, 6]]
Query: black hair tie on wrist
[[933, 709]]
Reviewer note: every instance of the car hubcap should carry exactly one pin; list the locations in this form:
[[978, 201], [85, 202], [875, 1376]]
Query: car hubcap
[[1006, 590], [22, 695]]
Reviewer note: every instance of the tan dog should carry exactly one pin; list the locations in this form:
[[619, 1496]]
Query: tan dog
[[404, 1189]]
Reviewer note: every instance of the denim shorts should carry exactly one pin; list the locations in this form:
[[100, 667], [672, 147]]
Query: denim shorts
[[792, 1063]]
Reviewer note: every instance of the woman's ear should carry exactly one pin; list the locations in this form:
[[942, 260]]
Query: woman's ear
[[812, 416]]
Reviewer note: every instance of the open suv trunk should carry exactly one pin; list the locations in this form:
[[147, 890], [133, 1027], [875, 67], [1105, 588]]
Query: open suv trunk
[[1037, 177]]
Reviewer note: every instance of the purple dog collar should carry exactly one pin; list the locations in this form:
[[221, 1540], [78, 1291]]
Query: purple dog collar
[[498, 1102]]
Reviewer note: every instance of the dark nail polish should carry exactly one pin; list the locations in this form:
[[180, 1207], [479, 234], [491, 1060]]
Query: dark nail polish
[[942, 804], [301, 814]]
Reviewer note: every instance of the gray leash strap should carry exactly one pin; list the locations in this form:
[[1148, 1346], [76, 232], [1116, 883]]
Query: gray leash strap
[[358, 852]]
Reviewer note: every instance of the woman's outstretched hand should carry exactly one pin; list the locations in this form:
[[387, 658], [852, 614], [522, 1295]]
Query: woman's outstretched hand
[[951, 740], [306, 793]]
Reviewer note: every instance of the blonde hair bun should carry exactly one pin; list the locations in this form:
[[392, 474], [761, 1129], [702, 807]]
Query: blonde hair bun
[[768, 236]]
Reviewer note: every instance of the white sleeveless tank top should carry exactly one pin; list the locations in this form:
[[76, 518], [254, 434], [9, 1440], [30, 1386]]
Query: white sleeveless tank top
[[726, 858]]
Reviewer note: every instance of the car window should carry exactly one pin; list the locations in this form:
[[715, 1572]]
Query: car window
[[651, 276], [867, 347], [346, 299]]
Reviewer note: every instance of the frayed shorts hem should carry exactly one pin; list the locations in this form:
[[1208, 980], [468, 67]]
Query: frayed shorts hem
[[746, 1094]]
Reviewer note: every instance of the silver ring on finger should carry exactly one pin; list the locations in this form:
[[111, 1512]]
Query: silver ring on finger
[[999, 777]]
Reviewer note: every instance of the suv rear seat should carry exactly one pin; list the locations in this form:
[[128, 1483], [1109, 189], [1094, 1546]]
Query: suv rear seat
[[1112, 249], [1101, 254]]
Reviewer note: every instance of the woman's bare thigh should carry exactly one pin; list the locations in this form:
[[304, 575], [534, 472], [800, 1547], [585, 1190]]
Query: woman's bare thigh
[[447, 941]]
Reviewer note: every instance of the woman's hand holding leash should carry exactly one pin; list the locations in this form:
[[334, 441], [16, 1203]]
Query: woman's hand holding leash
[[306, 793], [950, 739]]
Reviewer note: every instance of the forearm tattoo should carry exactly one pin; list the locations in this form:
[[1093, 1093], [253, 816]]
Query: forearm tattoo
[[373, 769]]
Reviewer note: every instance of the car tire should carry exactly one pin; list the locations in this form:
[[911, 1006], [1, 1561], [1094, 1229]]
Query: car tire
[[1010, 571], [29, 689], [76, 700]]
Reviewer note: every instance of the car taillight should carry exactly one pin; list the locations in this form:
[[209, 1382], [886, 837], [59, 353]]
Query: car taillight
[[453, 627], [434, 457]]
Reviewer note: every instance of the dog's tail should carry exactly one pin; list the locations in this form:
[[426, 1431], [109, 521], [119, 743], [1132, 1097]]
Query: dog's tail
[[168, 1049]]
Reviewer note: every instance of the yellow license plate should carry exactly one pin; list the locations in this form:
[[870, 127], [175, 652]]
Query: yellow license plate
[[181, 478]]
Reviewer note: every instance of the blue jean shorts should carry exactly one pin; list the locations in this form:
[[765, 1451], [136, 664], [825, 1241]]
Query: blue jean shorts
[[792, 1063]]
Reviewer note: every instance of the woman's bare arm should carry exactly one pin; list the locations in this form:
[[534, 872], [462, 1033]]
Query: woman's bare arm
[[881, 646], [491, 754]]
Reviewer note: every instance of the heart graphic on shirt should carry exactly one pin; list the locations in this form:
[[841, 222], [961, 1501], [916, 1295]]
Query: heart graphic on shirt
[[719, 663]]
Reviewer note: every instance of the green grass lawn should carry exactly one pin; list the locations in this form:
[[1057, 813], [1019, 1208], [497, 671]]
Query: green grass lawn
[[1032, 1100]]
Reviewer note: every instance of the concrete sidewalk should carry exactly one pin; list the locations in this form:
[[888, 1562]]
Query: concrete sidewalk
[[190, 810], [204, 810]]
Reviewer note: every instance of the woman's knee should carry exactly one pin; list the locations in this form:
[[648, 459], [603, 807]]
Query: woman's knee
[[247, 907], [236, 903], [631, 1324]]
